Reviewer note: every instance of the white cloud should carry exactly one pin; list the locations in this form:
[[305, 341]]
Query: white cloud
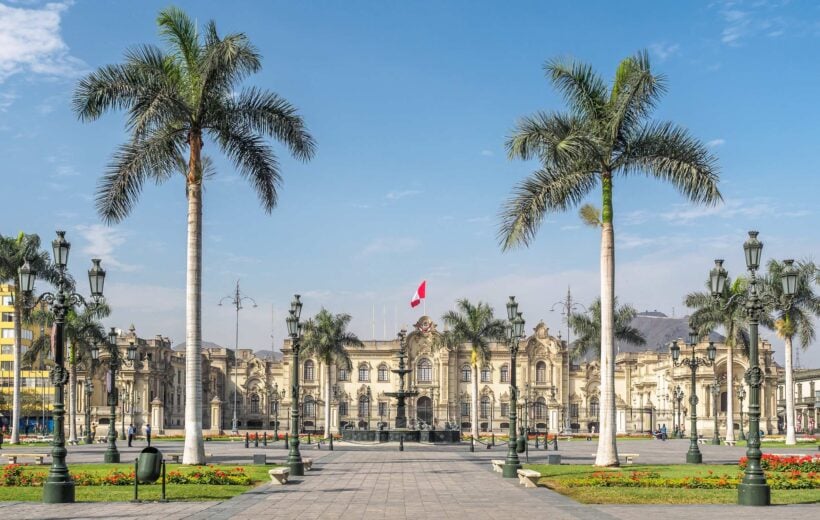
[[744, 20], [731, 208], [6, 100], [389, 245], [487, 153], [663, 51], [400, 194], [715, 143], [30, 41], [103, 242]]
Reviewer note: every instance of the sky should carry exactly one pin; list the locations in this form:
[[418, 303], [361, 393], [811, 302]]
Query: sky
[[410, 104]]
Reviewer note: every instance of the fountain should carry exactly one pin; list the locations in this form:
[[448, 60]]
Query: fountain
[[402, 394]]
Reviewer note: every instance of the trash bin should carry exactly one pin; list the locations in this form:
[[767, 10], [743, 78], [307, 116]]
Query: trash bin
[[149, 465]]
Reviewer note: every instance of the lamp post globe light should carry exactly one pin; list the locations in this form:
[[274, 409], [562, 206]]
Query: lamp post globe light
[[297, 467], [236, 299], [678, 396], [515, 331], [741, 395], [59, 487], [693, 456], [753, 489]]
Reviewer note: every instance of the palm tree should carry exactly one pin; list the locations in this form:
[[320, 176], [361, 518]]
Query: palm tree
[[476, 325], [604, 133], [175, 98], [793, 319], [728, 312], [13, 252], [81, 331], [327, 339], [587, 328]]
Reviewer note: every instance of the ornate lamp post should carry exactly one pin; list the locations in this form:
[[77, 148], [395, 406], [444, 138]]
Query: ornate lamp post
[[568, 306], [236, 299], [297, 467], [112, 455], [693, 456], [89, 389], [59, 487], [515, 331], [753, 489], [741, 395], [715, 395], [678, 396]]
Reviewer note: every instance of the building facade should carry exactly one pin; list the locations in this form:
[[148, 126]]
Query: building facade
[[806, 401]]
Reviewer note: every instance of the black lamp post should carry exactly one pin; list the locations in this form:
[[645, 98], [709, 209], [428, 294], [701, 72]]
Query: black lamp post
[[89, 389], [515, 331], [741, 395], [112, 455], [693, 456], [715, 395], [753, 489], [297, 467], [678, 396], [59, 487], [236, 299]]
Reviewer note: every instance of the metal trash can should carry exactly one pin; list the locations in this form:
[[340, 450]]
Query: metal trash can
[[149, 465]]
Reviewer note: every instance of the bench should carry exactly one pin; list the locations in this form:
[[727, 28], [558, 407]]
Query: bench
[[629, 456], [279, 475], [730, 443], [704, 441], [308, 463], [498, 465], [564, 437], [174, 457], [528, 478], [38, 457]]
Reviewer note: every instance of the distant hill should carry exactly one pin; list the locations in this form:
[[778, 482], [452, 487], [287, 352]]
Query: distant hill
[[660, 330], [205, 344], [263, 354]]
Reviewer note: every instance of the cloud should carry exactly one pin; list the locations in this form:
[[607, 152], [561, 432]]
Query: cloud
[[6, 100], [389, 245], [103, 242], [487, 153], [744, 20], [396, 195], [30, 42], [715, 143], [731, 208], [663, 51]]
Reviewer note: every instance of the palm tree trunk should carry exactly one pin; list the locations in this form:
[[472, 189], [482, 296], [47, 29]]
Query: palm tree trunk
[[474, 418], [327, 400], [791, 439], [730, 408], [16, 401], [194, 451], [607, 454], [72, 394]]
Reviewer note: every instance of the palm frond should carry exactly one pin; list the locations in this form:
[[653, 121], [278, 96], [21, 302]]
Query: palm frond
[[179, 31], [583, 89], [634, 95], [590, 215], [554, 138]]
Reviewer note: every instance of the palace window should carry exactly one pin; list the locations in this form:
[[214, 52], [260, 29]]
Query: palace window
[[465, 409], [505, 373], [505, 409], [310, 407], [364, 373], [384, 374], [540, 373], [541, 408], [424, 371], [254, 403], [343, 409], [382, 409], [486, 375], [344, 374], [309, 372], [594, 407], [364, 406], [466, 374], [484, 409], [573, 410]]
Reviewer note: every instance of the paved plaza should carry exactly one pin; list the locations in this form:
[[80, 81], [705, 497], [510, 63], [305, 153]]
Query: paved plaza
[[359, 481]]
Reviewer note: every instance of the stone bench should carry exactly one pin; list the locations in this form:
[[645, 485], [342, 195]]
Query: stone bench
[[38, 457], [730, 443], [308, 463], [704, 441], [528, 478], [628, 456], [564, 437], [498, 465], [279, 475], [174, 457]]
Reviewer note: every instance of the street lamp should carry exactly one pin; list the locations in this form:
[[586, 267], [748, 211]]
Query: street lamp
[[515, 331], [89, 389], [753, 489], [568, 305], [236, 300], [693, 456], [59, 487], [678, 396], [297, 467], [115, 362], [741, 395], [715, 395]]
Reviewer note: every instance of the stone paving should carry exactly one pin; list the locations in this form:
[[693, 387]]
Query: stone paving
[[357, 481]]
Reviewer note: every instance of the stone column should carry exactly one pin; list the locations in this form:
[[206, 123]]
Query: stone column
[[216, 416]]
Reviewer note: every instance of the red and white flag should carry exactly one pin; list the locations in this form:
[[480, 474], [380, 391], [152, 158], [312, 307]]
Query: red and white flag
[[420, 294]]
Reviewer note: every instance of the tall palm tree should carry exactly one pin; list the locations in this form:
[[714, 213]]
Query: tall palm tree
[[326, 337], [81, 331], [175, 99], [603, 134], [13, 252], [587, 328], [795, 319], [476, 325], [728, 312]]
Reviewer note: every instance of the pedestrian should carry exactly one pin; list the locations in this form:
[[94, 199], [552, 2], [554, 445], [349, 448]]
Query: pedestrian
[[663, 432], [131, 432], [93, 431], [148, 434]]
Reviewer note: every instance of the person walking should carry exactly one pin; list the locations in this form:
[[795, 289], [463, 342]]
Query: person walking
[[663, 432], [93, 432], [148, 434], [131, 432]]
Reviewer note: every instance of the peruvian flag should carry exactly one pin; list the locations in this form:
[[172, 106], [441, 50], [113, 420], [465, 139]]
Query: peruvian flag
[[421, 292]]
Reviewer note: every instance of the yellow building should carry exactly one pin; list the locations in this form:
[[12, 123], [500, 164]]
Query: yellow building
[[36, 392]]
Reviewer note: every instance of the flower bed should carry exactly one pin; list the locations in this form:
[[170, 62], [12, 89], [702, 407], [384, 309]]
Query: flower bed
[[793, 479], [14, 475], [780, 463]]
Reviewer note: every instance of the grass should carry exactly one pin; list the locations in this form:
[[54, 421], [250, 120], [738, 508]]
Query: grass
[[191, 492], [553, 477]]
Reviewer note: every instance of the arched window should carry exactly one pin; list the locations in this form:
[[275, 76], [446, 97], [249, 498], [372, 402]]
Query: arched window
[[505, 373], [540, 372], [254, 403], [344, 374], [384, 373], [484, 407], [364, 406], [594, 407], [424, 371], [486, 375], [541, 408], [309, 407], [466, 374], [364, 373], [309, 372]]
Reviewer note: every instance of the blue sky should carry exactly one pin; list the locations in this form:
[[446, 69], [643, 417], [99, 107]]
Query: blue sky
[[410, 104]]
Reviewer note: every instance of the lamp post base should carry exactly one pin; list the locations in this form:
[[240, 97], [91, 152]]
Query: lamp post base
[[111, 457], [694, 457], [61, 492], [716, 441], [510, 470], [754, 494], [297, 469]]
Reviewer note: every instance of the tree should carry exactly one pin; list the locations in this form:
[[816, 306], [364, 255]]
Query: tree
[[587, 328], [175, 100], [476, 325], [793, 317], [13, 252], [326, 338], [604, 133]]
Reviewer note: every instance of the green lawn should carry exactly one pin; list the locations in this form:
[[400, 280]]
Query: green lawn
[[147, 492], [553, 477]]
